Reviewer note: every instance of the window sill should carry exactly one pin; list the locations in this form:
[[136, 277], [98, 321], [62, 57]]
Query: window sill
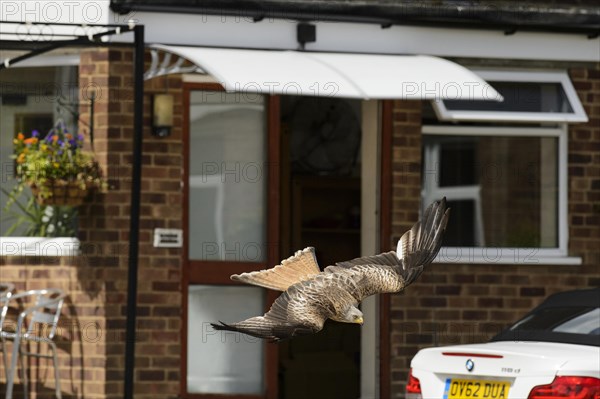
[[39, 246], [505, 256]]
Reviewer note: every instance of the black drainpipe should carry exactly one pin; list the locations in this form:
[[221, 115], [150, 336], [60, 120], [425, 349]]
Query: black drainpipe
[[134, 221]]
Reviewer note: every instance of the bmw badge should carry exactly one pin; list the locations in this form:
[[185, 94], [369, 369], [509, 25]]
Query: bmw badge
[[470, 365]]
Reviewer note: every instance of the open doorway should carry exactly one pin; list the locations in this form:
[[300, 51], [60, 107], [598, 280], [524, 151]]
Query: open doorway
[[321, 207]]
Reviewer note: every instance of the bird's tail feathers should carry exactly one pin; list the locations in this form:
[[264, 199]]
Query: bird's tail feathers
[[294, 269]]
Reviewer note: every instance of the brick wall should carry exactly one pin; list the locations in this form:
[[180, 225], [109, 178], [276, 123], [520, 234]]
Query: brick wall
[[82, 325], [93, 326], [455, 303]]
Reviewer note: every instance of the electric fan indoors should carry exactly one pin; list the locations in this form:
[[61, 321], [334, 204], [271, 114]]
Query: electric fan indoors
[[325, 137]]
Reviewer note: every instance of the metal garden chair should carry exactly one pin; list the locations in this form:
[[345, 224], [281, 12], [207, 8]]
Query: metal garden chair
[[36, 323], [6, 290]]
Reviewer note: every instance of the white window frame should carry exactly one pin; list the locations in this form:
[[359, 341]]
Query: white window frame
[[432, 190], [578, 114], [510, 255], [42, 246], [39, 246]]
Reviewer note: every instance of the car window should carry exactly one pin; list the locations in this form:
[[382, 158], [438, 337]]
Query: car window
[[570, 317], [586, 323], [574, 320]]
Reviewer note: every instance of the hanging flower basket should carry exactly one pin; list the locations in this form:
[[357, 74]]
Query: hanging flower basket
[[56, 168], [60, 193]]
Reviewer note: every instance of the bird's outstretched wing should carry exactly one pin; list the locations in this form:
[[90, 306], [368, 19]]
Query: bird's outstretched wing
[[393, 271], [275, 325], [302, 266], [302, 309], [420, 245]]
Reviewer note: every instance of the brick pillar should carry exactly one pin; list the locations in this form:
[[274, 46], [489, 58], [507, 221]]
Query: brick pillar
[[160, 312], [105, 226], [584, 169], [406, 194], [104, 220]]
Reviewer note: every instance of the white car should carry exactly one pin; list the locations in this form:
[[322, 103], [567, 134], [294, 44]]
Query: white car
[[552, 353]]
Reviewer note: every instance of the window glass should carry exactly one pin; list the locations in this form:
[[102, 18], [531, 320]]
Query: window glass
[[34, 99], [223, 362], [457, 235], [519, 97], [227, 177], [586, 323], [503, 191], [458, 162]]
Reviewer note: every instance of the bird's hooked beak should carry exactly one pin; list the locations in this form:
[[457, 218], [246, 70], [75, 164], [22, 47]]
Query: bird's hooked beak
[[359, 320]]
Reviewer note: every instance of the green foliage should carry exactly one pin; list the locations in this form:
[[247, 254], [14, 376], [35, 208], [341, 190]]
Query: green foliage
[[37, 220]]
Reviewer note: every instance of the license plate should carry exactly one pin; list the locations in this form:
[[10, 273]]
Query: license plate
[[475, 389]]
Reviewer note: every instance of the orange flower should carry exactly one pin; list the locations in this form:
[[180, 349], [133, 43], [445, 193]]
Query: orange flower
[[55, 138], [69, 136], [21, 158], [20, 136], [31, 140]]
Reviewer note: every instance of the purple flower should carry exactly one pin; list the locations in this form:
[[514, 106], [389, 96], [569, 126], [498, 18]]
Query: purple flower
[[35, 133], [80, 137]]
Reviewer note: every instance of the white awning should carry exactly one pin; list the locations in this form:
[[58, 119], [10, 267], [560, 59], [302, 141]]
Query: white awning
[[367, 76]]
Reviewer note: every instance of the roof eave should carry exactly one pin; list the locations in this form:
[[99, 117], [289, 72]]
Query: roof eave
[[559, 20]]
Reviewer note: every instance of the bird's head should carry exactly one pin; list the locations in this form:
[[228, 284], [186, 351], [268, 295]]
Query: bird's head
[[353, 315]]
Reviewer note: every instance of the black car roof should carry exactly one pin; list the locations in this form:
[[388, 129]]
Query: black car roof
[[588, 298]]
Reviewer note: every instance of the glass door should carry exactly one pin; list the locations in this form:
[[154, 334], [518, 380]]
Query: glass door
[[229, 214]]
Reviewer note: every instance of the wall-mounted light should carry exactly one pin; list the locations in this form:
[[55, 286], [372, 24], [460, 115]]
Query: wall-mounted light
[[162, 115]]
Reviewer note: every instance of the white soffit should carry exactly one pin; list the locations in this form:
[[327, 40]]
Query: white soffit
[[351, 75], [271, 33]]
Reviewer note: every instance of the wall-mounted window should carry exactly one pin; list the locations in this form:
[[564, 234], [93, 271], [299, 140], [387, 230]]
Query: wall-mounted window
[[34, 98], [506, 185], [528, 97]]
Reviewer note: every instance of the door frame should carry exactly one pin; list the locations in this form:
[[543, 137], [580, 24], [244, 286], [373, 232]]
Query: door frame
[[385, 242], [218, 272], [377, 344]]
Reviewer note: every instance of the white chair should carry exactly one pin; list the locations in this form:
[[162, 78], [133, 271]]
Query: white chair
[[6, 290], [36, 323]]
